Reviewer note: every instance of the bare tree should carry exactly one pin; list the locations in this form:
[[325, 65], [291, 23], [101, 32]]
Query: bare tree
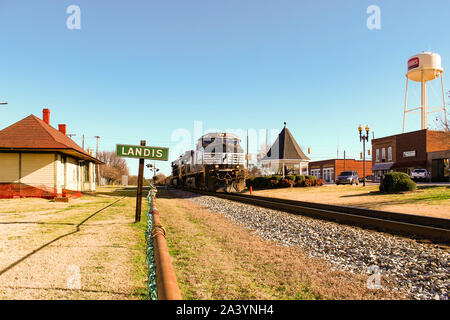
[[254, 171], [114, 168], [440, 123], [160, 179], [132, 180]]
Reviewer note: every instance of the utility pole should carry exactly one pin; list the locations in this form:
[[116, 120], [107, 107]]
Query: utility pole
[[247, 153], [337, 148], [267, 140], [344, 160], [83, 142], [96, 166]]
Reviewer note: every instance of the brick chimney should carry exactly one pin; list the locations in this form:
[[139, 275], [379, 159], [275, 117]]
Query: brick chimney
[[62, 128], [46, 116]]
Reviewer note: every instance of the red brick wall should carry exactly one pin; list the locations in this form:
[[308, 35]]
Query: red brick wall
[[412, 141], [338, 164], [353, 165], [381, 143], [438, 141]]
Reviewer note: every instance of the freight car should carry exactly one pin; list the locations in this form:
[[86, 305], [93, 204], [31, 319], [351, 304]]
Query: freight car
[[217, 164]]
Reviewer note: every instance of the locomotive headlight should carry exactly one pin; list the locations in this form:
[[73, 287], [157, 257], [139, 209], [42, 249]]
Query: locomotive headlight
[[237, 167], [216, 166]]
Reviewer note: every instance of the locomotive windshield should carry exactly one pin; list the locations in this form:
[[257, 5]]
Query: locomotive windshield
[[220, 145], [233, 146]]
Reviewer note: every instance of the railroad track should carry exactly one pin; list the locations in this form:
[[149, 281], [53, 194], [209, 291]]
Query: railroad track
[[415, 226]]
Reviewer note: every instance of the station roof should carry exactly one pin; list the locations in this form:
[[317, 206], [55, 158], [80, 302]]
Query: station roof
[[285, 148], [34, 134]]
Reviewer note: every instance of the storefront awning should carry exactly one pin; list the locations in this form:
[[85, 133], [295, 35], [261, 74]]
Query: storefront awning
[[382, 166], [410, 164]]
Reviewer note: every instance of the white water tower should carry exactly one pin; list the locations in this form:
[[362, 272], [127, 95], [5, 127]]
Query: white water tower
[[424, 67]]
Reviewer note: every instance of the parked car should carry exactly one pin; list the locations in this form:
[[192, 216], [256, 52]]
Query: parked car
[[347, 177], [420, 175]]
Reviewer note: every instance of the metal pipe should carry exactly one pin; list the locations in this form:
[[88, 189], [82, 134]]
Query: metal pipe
[[166, 280]]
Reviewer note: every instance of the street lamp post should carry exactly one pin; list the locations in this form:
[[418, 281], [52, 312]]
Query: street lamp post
[[364, 138]]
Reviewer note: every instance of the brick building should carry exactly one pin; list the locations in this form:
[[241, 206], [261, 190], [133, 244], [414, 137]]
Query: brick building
[[36, 160], [328, 170], [426, 149]]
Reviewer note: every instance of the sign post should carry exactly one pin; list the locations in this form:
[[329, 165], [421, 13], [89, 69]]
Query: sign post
[[139, 187], [141, 152]]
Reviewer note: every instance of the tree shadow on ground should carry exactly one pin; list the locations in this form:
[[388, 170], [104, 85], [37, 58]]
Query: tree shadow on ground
[[411, 197], [378, 193]]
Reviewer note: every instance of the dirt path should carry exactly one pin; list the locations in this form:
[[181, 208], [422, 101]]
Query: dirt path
[[43, 256]]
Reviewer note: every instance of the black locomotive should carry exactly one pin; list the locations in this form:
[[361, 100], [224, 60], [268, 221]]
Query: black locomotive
[[216, 165]]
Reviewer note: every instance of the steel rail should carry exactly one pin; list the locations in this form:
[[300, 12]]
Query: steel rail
[[166, 280], [422, 227]]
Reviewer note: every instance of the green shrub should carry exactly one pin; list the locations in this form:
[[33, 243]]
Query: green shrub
[[291, 177], [396, 182], [258, 183], [277, 181]]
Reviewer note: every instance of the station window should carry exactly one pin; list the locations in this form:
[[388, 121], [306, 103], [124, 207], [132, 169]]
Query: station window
[[389, 153], [383, 154], [86, 171], [377, 158]]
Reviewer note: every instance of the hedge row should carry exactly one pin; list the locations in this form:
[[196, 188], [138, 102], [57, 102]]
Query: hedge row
[[396, 182], [276, 181]]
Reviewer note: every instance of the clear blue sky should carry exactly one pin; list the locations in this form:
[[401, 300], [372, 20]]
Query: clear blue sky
[[143, 69]]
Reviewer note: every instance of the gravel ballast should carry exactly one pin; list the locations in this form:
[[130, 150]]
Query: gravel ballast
[[421, 270]]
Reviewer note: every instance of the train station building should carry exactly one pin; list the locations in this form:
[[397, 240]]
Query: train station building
[[427, 149], [36, 160], [328, 170], [285, 156]]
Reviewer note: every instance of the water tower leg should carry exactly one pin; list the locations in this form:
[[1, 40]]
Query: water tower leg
[[406, 102], [444, 107], [424, 104]]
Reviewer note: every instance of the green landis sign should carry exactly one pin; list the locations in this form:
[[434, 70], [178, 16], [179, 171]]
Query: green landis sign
[[141, 152]]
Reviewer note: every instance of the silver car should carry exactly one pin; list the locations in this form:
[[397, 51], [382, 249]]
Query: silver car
[[347, 177]]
